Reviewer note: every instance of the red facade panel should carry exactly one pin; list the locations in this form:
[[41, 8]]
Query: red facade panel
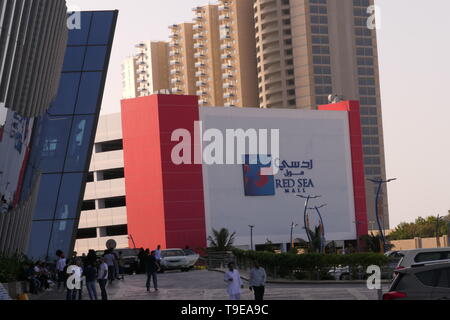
[[165, 202], [359, 186]]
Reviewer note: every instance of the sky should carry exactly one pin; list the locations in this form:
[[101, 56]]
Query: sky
[[413, 45]]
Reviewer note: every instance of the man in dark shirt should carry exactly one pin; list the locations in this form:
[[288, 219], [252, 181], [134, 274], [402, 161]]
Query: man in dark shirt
[[152, 267], [91, 280]]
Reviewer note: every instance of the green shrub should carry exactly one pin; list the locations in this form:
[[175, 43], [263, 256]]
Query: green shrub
[[11, 267], [313, 266]]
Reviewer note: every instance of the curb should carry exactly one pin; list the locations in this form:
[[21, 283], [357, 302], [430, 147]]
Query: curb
[[319, 282]]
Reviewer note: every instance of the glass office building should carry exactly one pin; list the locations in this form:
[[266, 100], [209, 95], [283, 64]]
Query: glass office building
[[63, 138]]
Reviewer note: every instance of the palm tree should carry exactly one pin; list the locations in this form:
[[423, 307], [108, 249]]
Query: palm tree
[[221, 240]]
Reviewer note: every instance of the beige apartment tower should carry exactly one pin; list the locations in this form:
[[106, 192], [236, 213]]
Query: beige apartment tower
[[309, 49], [219, 51], [146, 72], [208, 68], [181, 59], [238, 53]]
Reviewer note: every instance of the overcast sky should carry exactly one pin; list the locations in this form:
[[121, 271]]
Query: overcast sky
[[414, 46]]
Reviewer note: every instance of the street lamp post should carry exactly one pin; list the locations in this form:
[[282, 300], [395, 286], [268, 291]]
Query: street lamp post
[[438, 235], [293, 225], [251, 237], [379, 183], [322, 227], [305, 210]]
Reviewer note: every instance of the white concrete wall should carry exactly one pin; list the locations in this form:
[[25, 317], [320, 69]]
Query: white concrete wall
[[304, 135]]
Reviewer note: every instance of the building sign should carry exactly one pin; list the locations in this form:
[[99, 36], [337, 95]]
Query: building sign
[[293, 176]]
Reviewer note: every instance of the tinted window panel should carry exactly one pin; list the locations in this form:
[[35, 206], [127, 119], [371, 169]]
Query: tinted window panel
[[80, 36], [95, 58], [46, 203], [426, 278], [74, 58], [64, 103], [443, 280], [69, 196], [53, 144], [101, 23], [61, 237], [39, 239], [428, 256], [89, 92], [79, 143]]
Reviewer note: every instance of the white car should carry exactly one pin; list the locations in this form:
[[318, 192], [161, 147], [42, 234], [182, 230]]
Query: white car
[[178, 259]]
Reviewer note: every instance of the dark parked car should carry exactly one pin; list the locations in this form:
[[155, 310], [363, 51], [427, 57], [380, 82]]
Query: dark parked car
[[424, 281]]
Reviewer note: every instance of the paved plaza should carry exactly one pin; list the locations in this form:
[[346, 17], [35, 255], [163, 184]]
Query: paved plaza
[[209, 285]]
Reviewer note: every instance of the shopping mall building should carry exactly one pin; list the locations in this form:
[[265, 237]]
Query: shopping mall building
[[166, 171]]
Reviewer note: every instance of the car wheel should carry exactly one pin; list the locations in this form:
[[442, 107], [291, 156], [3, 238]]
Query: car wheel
[[344, 276]]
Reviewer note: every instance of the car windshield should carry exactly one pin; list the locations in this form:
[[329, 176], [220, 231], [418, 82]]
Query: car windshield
[[172, 253], [189, 252]]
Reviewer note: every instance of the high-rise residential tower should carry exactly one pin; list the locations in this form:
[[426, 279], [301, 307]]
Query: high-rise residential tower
[[207, 56], [238, 53], [129, 78], [181, 59], [146, 72], [309, 49], [220, 49]]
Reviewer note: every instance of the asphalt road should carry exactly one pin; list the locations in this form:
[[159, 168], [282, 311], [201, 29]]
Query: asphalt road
[[209, 285]]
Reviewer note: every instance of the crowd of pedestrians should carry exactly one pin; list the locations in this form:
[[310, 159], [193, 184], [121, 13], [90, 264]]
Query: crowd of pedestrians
[[76, 273], [88, 271], [257, 282]]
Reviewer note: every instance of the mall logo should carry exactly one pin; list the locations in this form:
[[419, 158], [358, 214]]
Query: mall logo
[[255, 183], [229, 146]]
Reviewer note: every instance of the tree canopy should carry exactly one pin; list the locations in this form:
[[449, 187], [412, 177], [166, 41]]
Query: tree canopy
[[422, 228]]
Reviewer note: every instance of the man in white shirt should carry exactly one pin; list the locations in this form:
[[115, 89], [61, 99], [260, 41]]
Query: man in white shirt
[[60, 265], [234, 281], [110, 261], [158, 254], [103, 278], [257, 281]]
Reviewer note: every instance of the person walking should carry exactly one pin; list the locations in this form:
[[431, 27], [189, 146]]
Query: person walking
[[121, 262], [234, 281], [110, 261], [152, 267], [60, 266], [103, 278], [158, 254], [258, 278], [90, 273], [141, 258]]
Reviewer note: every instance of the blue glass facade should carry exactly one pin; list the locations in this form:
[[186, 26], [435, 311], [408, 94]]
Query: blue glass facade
[[63, 138]]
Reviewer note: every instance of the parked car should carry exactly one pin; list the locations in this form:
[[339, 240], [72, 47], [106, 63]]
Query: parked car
[[411, 257], [130, 257], [343, 272], [178, 259], [424, 281]]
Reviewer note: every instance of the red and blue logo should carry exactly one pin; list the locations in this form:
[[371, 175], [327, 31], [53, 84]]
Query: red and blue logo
[[256, 184]]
